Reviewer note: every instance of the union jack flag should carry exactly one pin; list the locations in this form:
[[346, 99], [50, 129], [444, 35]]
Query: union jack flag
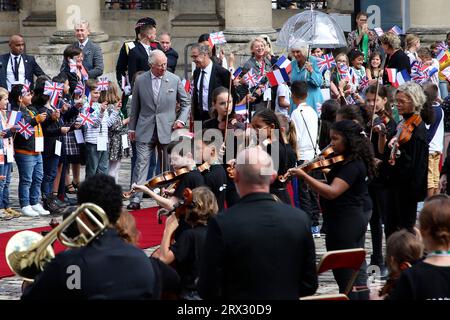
[[53, 89], [419, 77], [79, 89], [217, 38], [25, 129], [72, 66], [364, 84], [326, 62], [252, 79], [84, 73], [86, 118], [442, 46], [344, 71], [103, 84]]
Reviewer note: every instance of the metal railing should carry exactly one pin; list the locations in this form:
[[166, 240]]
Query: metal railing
[[299, 4], [9, 5], [137, 5]]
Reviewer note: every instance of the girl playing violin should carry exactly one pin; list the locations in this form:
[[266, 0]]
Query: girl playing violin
[[188, 248], [406, 171], [342, 197]]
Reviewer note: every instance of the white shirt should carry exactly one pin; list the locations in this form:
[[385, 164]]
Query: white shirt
[[82, 45], [147, 47], [10, 79], [437, 143], [283, 91], [206, 78], [156, 85], [308, 123]]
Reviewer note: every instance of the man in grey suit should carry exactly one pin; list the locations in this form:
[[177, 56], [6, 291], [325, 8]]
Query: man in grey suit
[[153, 116], [92, 53]]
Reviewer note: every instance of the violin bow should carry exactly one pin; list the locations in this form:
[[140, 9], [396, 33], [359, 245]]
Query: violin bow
[[376, 97], [228, 105]]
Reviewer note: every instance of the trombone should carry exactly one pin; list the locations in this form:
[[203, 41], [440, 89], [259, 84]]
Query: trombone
[[27, 252]]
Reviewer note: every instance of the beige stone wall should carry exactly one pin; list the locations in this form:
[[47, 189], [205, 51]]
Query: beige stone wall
[[430, 14]]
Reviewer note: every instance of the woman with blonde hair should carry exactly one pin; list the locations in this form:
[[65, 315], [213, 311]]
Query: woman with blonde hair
[[412, 45], [304, 68], [396, 58]]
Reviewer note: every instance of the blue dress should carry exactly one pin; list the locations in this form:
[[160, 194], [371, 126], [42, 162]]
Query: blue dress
[[314, 81]]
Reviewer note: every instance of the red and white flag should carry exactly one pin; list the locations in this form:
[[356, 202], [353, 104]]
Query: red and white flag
[[53, 90], [25, 129], [326, 62], [251, 78], [86, 118], [103, 84], [217, 38], [442, 56], [392, 75]]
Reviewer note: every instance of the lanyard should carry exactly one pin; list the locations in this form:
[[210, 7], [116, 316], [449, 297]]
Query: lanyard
[[13, 66]]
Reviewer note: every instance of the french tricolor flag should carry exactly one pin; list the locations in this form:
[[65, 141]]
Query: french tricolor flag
[[397, 30], [431, 71], [14, 117], [277, 77], [392, 74], [241, 109], [402, 77], [284, 63], [379, 31], [442, 56]]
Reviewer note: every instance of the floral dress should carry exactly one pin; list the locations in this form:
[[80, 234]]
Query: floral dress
[[115, 133]]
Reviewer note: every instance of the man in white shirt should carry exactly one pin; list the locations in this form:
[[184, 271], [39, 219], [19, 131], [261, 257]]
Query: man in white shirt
[[283, 101], [16, 67], [306, 125]]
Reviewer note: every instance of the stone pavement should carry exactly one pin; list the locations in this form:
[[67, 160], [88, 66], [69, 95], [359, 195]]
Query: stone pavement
[[10, 288]]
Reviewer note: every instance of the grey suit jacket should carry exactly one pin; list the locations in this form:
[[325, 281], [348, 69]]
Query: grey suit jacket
[[93, 59], [146, 113]]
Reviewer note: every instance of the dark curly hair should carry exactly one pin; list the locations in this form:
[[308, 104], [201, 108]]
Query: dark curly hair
[[357, 144], [103, 191]]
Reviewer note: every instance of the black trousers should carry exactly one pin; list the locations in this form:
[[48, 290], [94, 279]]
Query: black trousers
[[346, 230], [231, 195], [401, 210], [308, 200], [379, 196]]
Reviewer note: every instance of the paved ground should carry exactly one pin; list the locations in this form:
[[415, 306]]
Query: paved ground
[[10, 287]]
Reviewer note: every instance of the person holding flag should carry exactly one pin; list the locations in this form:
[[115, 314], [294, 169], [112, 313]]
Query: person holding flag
[[28, 146], [396, 58], [362, 38], [304, 68]]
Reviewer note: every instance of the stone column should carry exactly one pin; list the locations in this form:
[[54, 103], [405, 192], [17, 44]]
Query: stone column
[[247, 19], [70, 11], [427, 19]]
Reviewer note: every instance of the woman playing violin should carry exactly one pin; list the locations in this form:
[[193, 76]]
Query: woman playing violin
[[342, 197], [178, 160], [188, 248], [235, 128], [406, 174]]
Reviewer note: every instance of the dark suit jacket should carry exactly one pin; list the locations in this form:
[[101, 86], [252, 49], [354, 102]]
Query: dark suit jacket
[[31, 68], [137, 61], [109, 269], [93, 59], [220, 77], [258, 249], [122, 60]]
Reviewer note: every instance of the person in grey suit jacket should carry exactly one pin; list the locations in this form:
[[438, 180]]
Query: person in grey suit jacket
[[153, 116], [17, 67], [92, 53]]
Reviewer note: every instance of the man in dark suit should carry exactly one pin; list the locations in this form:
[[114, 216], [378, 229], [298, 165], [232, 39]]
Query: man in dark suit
[[106, 268], [258, 248], [92, 53], [17, 67], [138, 57], [207, 77]]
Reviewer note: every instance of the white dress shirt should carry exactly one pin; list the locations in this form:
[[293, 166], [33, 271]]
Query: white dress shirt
[[10, 80], [82, 45], [206, 79], [147, 47]]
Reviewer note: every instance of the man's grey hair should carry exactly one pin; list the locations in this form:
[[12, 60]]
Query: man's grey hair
[[153, 54], [255, 167], [82, 22], [165, 33], [415, 92], [202, 49]]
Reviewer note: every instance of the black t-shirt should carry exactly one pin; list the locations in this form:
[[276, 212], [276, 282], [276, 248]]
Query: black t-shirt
[[188, 251], [283, 163], [423, 281], [191, 180], [355, 174], [216, 180], [400, 61]]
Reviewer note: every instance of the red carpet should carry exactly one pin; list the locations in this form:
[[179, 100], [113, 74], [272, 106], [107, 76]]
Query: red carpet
[[146, 222]]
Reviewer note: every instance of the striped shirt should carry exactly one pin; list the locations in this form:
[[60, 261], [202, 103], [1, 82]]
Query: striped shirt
[[102, 121]]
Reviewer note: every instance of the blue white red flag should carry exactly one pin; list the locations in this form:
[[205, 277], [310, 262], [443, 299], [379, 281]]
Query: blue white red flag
[[241, 109], [442, 56], [284, 63], [14, 117], [392, 74], [397, 30], [402, 77], [237, 73], [277, 77]]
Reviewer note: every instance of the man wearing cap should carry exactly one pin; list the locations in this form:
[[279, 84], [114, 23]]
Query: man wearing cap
[[122, 61], [92, 53]]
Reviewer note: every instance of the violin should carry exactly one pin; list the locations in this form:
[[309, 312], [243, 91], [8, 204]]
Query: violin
[[404, 133], [179, 208], [204, 167], [321, 161]]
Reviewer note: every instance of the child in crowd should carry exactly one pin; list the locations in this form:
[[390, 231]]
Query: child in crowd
[[6, 159], [374, 69], [326, 75], [96, 131], [429, 279], [357, 73], [118, 150], [431, 65], [339, 88]]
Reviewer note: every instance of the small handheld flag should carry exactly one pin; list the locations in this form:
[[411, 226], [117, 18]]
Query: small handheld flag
[[14, 117], [284, 63], [237, 73], [241, 109], [379, 31], [446, 73], [103, 84], [277, 77], [442, 56], [397, 30], [86, 118], [401, 78], [251, 78], [53, 89], [25, 129], [326, 62], [392, 74], [217, 38], [72, 66]]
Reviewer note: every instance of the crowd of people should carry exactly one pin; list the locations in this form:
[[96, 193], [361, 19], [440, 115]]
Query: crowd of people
[[357, 139]]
